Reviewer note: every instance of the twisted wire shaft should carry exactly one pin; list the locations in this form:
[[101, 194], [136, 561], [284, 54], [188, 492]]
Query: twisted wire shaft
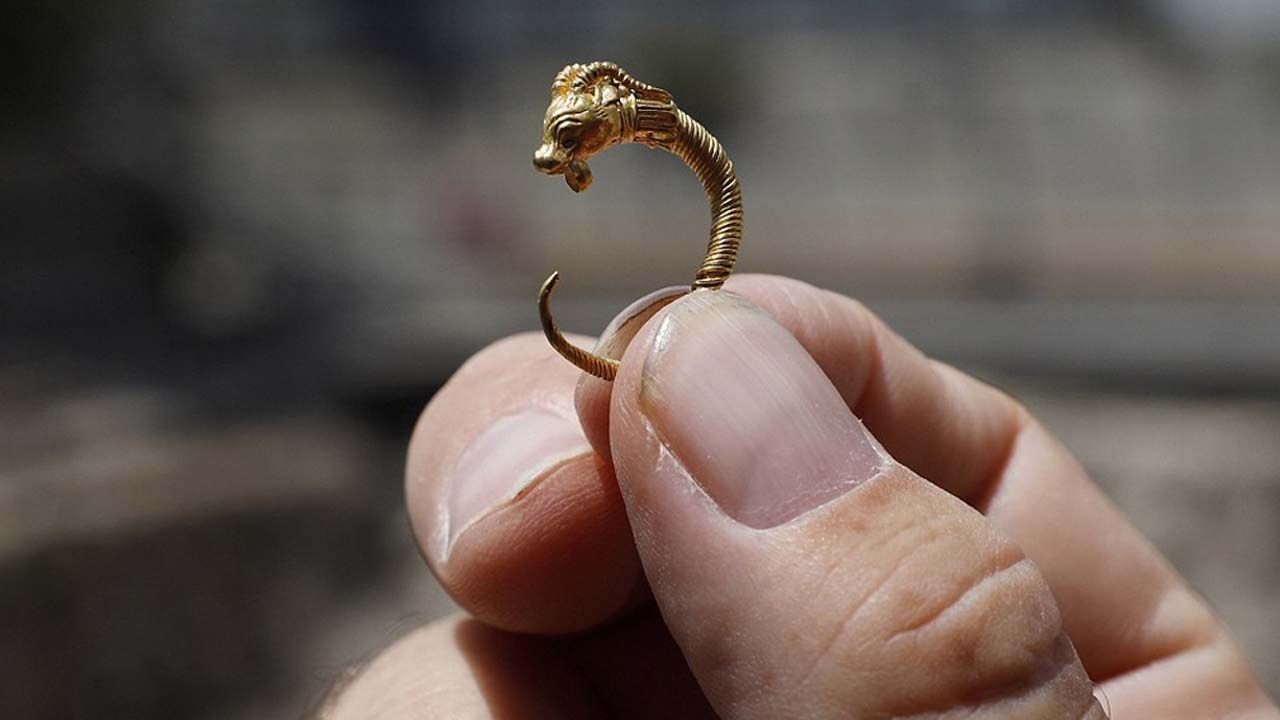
[[707, 159], [598, 365]]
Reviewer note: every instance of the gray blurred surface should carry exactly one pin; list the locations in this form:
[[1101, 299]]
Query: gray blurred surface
[[243, 243], [1201, 478]]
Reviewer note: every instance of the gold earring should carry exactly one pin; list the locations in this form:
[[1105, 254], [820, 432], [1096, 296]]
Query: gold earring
[[598, 105]]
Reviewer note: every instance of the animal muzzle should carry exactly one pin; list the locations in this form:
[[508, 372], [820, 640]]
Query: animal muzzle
[[547, 159], [551, 160]]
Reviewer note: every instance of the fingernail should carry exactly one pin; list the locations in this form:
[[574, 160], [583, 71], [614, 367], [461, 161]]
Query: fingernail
[[617, 335], [504, 460], [748, 412]]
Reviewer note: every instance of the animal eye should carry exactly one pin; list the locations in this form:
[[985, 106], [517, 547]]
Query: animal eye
[[568, 143]]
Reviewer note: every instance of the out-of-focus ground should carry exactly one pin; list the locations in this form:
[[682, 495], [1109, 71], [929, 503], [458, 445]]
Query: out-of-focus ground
[[242, 244]]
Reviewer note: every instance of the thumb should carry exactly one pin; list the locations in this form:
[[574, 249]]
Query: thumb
[[803, 571]]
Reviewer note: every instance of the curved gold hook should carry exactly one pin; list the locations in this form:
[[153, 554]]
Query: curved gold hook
[[598, 105], [598, 365]]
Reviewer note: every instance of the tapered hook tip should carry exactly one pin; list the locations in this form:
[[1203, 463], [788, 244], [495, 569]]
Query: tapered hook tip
[[544, 304], [548, 285], [551, 280]]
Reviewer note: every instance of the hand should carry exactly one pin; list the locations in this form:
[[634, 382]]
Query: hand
[[717, 533]]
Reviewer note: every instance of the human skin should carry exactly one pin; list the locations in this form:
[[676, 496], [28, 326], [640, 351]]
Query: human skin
[[778, 509]]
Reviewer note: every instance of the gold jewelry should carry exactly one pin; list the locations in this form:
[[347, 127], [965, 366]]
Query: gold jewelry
[[598, 105]]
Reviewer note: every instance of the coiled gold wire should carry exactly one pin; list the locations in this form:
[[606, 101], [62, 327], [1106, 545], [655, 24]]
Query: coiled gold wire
[[707, 159]]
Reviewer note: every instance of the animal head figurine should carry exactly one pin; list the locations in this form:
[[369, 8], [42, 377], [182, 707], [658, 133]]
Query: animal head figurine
[[593, 107]]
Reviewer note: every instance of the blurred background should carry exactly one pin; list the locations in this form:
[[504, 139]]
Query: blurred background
[[243, 243]]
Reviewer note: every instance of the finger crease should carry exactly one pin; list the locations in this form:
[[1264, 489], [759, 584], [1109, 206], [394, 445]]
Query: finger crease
[[993, 478], [944, 608]]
